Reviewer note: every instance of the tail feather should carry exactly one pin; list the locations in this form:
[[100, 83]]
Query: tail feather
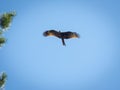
[[63, 42]]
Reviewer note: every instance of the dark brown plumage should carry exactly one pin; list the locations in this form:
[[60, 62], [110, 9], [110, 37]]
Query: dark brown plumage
[[61, 35]]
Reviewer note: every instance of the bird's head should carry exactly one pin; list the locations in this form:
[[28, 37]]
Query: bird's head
[[45, 33], [48, 33]]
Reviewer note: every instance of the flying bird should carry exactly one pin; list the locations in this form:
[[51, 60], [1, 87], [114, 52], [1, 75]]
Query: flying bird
[[61, 35]]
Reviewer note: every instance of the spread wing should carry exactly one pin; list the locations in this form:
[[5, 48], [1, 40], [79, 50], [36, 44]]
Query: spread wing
[[68, 35], [51, 33]]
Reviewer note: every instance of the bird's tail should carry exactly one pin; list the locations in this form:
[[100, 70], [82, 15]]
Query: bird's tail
[[63, 42]]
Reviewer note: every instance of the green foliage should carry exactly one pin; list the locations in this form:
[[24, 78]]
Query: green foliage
[[6, 19], [2, 41], [3, 78]]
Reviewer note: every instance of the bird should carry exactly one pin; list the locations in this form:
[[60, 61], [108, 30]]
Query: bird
[[61, 35]]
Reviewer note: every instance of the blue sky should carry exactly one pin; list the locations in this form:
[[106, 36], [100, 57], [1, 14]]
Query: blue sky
[[35, 62]]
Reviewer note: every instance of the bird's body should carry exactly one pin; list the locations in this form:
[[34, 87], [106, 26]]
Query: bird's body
[[61, 35]]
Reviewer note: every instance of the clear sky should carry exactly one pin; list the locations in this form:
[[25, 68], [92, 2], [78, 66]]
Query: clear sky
[[35, 62]]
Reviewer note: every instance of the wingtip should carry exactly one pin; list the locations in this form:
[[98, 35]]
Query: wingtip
[[78, 35]]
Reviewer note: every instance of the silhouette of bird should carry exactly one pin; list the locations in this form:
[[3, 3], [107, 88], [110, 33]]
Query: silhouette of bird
[[61, 35]]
